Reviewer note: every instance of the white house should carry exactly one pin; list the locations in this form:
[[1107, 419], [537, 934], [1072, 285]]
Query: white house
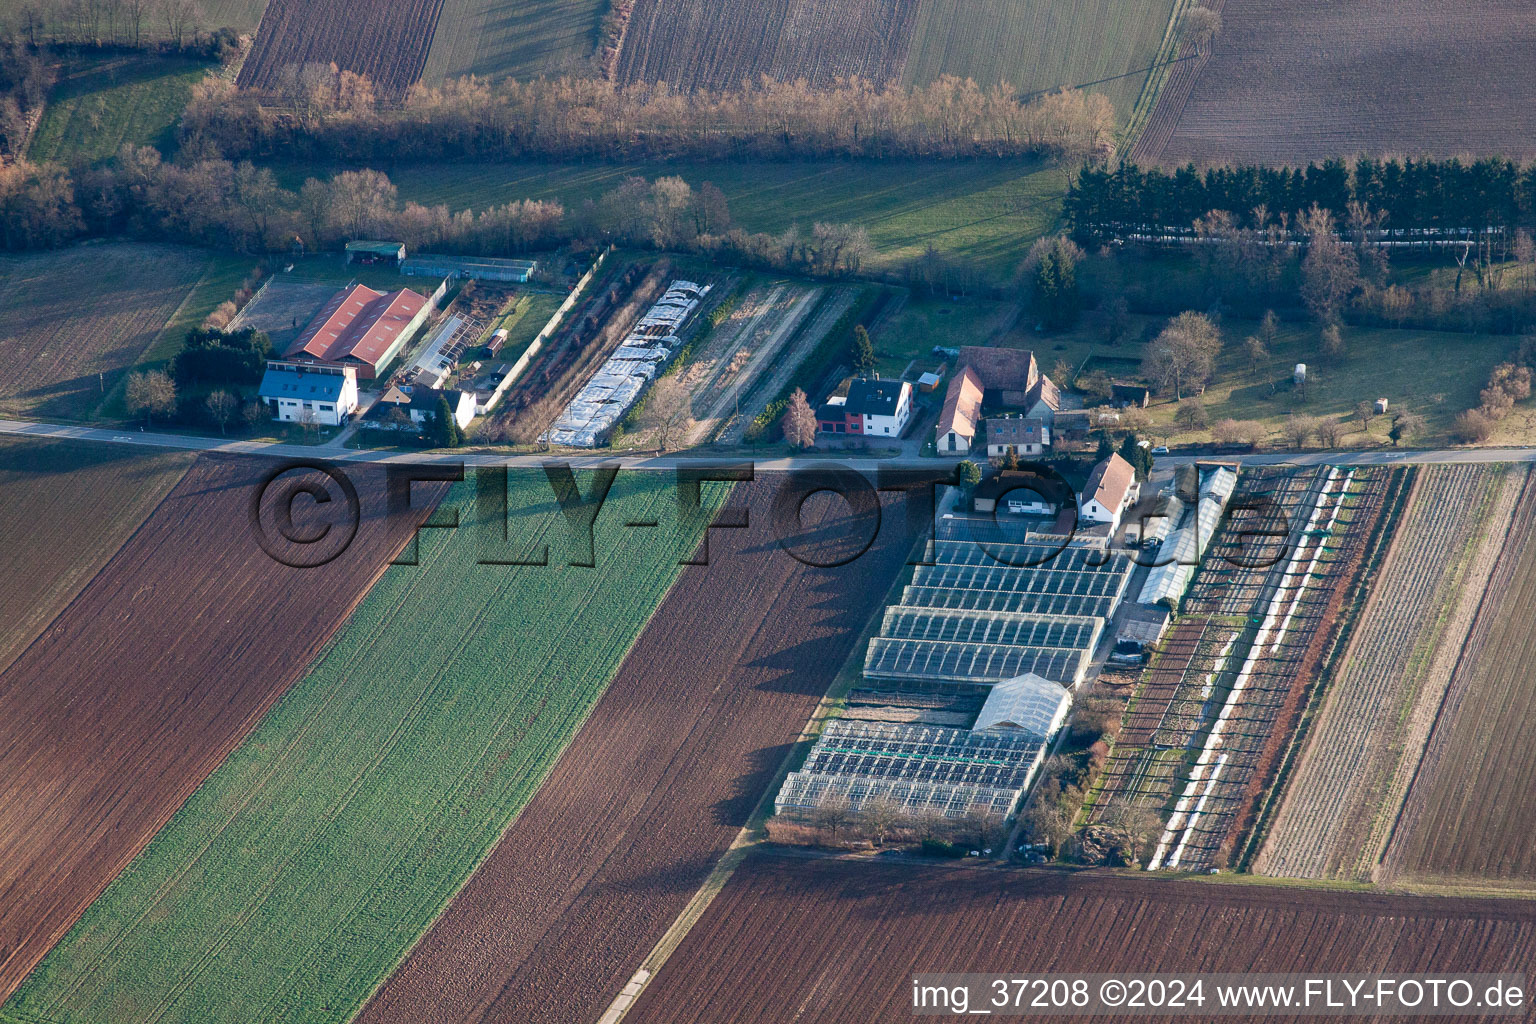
[[298, 392], [420, 403], [878, 407], [1021, 435], [1111, 489]]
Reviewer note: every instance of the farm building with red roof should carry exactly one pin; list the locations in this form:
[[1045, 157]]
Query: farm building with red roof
[[361, 327]]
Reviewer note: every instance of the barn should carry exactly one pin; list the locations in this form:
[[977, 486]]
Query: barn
[[361, 328]]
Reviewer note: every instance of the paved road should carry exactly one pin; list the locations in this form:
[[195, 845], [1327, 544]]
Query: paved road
[[484, 457]]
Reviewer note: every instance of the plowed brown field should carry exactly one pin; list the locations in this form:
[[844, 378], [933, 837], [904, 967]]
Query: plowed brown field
[[830, 941], [387, 40], [704, 44], [657, 784], [1305, 80], [147, 680]]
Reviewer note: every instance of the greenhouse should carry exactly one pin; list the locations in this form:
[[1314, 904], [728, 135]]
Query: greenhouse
[[919, 768], [906, 623], [1028, 704], [968, 665], [1008, 601]]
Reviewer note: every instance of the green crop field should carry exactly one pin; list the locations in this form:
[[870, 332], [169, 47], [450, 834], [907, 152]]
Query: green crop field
[[65, 509], [1041, 44], [302, 871], [520, 38], [101, 103], [988, 211]]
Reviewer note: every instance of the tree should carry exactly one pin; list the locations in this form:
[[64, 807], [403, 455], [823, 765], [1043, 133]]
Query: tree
[[1405, 426], [1228, 432], [221, 406], [799, 421], [1269, 331], [1138, 455], [1473, 427], [1328, 431], [1117, 321], [1333, 343], [668, 410], [981, 825], [1095, 386], [863, 351], [151, 393], [1183, 355], [1061, 373], [1365, 411], [442, 429], [832, 814], [1200, 25], [1191, 415], [1011, 458], [1299, 430], [967, 476], [880, 815], [1330, 271], [1256, 351], [180, 18], [1105, 448], [1052, 269], [256, 414], [1046, 821]]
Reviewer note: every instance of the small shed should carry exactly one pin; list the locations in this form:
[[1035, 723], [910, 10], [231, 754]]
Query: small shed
[[1300, 376], [1381, 406], [498, 338], [928, 382], [376, 252]]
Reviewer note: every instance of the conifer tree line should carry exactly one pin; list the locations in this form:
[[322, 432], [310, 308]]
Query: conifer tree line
[[1401, 202]]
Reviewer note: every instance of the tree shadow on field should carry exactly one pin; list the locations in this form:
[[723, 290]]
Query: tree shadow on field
[[736, 807]]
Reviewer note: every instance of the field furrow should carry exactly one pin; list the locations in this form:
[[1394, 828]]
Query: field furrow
[[659, 781]]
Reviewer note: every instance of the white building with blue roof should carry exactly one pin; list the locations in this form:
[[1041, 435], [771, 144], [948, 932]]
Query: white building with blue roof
[[298, 392]]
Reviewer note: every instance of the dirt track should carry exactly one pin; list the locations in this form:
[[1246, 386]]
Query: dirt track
[[147, 681], [654, 788], [829, 941]]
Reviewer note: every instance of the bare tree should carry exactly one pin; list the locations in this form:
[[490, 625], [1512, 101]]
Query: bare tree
[[134, 13], [1365, 411], [1333, 343], [1473, 427], [1328, 431], [1255, 350], [1191, 415], [1299, 430], [799, 421], [1183, 355], [668, 410], [1330, 271], [221, 406], [832, 814], [181, 17], [151, 393], [256, 414], [1200, 25], [879, 816]]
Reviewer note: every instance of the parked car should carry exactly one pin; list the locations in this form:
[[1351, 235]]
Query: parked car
[[1161, 449]]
